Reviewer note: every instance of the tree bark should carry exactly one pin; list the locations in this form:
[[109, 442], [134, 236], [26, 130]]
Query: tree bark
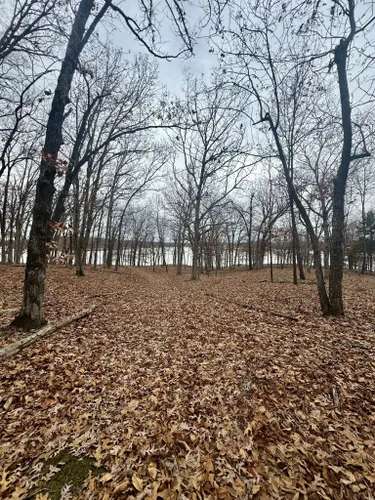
[[324, 300], [299, 258], [250, 231], [294, 234], [326, 243], [31, 314], [339, 186], [195, 246], [3, 220]]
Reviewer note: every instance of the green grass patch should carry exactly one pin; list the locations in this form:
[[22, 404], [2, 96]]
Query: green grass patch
[[73, 471]]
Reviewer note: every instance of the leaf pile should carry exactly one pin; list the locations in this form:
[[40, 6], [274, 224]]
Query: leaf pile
[[179, 391]]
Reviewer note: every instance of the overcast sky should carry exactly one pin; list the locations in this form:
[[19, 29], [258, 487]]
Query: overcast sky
[[171, 72]]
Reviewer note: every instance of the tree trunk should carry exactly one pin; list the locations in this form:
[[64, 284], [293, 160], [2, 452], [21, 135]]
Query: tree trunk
[[250, 231], [299, 258], [324, 300], [271, 259], [77, 236], [10, 238], [195, 250], [3, 220], [98, 241], [371, 247], [339, 186], [294, 234], [31, 314], [326, 243]]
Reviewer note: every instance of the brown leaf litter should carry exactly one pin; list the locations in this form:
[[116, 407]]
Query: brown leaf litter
[[178, 391]]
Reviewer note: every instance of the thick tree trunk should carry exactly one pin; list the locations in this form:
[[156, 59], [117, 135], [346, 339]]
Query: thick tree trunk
[[195, 268], [110, 251], [299, 258], [31, 314], [19, 234], [337, 253], [326, 243], [79, 263]]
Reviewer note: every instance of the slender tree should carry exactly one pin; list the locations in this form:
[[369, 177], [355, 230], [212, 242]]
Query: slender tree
[[262, 60], [211, 152]]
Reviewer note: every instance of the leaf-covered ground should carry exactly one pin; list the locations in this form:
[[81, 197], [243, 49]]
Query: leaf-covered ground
[[178, 391]]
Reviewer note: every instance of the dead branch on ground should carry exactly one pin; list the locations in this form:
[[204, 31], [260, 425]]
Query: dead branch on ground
[[14, 348]]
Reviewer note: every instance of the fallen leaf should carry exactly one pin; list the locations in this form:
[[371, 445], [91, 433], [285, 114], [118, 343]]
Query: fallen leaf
[[255, 488], [152, 470], [3, 481], [120, 488], [8, 403], [137, 482], [107, 477]]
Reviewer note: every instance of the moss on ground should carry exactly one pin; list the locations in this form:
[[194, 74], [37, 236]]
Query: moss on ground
[[73, 471]]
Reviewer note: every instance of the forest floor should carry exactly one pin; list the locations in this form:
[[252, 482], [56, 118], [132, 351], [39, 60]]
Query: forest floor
[[172, 389]]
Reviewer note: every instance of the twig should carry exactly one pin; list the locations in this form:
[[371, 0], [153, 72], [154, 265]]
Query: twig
[[323, 369], [267, 311], [336, 396], [95, 295], [255, 308]]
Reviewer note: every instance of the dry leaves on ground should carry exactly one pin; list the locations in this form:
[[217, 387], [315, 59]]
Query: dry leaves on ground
[[178, 391]]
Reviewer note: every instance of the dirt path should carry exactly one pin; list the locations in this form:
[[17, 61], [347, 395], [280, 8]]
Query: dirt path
[[177, 392]]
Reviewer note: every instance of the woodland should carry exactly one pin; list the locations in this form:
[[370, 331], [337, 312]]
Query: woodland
[[187, 305]]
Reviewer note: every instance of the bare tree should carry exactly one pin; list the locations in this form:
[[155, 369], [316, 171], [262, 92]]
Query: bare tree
[[265, 48], [364, 185], [210, 155], [118, 101], [29, 28], [246, 212], [31, 314]]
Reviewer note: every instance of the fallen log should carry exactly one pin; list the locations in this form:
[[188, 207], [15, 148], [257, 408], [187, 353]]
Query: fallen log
[[14, 348]]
